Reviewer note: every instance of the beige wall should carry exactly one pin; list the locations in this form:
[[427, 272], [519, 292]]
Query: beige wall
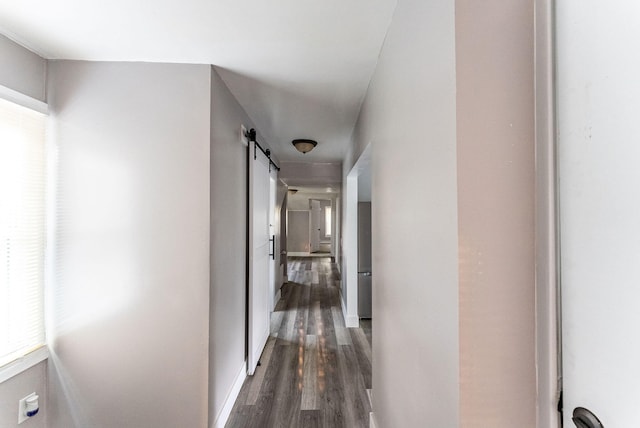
[[495, 129]]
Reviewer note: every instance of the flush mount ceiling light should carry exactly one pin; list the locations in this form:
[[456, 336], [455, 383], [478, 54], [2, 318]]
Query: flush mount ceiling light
[[304, 145]]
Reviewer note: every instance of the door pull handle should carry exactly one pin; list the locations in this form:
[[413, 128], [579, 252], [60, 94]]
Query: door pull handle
[[272, 254], [583, 418]]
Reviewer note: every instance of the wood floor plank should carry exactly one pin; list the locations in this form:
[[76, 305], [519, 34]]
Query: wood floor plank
[[365, 325], [241, 418], [263, 408], [258, 376], [320, 280], [359, 337], [311, 419], [287, 328], [314, 310], [342, 336], [338, 318], [356, 400], [276, 322], [363, 356], [315, 372], [332, 394], [286, 405], [309, 383]]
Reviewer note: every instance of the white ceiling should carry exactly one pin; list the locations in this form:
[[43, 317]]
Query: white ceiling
[[300, 68]]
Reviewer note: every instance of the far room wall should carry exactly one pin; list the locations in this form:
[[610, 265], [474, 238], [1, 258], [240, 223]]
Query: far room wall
[[298, 205]]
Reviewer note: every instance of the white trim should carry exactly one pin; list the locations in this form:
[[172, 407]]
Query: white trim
[[225, 412], [276, 298], [548, 376], [372, 420], [23, 363], [23, 100], [350, 321]]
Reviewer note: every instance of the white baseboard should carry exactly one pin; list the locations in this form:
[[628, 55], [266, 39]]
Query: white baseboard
[[350, 321], [372, 420], [223, 415], [276, 299]]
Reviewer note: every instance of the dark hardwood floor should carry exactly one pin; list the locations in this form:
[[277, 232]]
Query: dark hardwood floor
[[314, 371]]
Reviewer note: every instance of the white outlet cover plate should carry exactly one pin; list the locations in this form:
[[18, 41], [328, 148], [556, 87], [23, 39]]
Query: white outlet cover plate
[[22, 404]]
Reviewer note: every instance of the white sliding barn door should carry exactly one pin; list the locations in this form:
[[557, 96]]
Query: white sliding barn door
[[273, 249], [259, 250], [598, 45]]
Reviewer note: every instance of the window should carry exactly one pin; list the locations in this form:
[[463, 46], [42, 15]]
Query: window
[[327, 221], [22, 230]]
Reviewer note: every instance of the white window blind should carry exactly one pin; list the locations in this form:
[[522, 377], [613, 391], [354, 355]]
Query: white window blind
[[22, 230]]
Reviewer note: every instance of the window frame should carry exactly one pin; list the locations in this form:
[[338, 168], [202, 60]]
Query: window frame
[[41, 353]]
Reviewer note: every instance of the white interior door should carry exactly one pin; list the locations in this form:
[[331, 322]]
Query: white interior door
[[274, 249], [260, 246], [314, 226], [599, 157]]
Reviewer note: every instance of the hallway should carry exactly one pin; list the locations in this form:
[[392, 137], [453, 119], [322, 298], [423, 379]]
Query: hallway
[[314, 372]]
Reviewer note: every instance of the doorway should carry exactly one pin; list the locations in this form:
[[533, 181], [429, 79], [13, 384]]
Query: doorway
[[357, 294], [311, 222], [320, 212], [261, 261]]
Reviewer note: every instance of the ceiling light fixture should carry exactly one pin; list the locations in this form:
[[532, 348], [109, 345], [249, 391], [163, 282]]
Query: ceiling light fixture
[[304, 145]]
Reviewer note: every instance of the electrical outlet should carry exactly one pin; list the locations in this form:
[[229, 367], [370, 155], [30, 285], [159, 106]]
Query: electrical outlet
[[22, 407]]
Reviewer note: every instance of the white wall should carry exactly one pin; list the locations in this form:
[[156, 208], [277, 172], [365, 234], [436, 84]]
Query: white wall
[[228, 245], [409, 118], [307, 174], [129, 321], [23, 71], [300, 201], [18, 387], [298, 231]]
